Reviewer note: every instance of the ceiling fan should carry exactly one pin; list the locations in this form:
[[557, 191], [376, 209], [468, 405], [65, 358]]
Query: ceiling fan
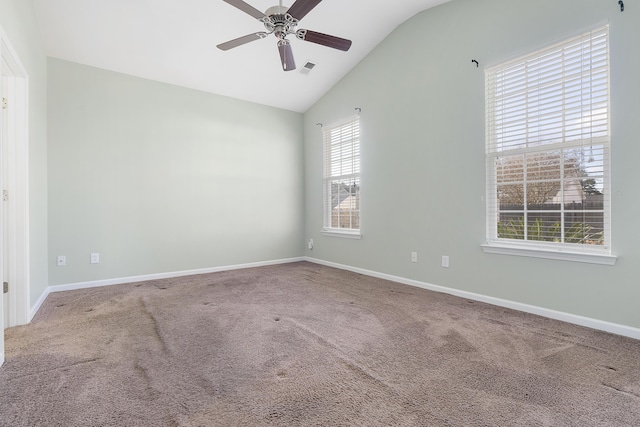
[[281, 22]]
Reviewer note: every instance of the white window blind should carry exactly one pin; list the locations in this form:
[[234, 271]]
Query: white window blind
[[342, 176], [547, 147]]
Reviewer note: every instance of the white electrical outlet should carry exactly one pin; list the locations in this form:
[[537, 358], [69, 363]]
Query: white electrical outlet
[[414, 256], [445, 261], [95, 258], [310, 243], [61, 260]]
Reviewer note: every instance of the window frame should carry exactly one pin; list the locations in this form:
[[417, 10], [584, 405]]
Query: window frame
[[581, 252], [346, 133]]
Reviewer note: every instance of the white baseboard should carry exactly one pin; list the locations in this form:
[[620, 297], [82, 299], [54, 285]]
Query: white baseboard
[[601, 325], [38, 304], [146, 277]]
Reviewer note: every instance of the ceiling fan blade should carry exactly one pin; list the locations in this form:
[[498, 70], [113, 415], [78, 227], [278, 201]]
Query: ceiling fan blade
[[286, 55], [246, 8], [241, 40], [301, 7], [324, 39]]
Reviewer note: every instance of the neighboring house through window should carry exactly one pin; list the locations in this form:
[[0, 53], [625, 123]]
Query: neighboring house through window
[[342, 177], [547, 149]]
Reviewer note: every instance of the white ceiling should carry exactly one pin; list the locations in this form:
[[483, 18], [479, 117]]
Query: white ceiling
[[174, 41]]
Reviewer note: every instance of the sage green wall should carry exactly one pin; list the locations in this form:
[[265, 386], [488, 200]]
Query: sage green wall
[[158, 178], [18, 19], [423, 169]]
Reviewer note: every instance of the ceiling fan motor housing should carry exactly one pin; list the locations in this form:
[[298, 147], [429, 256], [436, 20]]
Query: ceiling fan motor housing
[[279, 22]]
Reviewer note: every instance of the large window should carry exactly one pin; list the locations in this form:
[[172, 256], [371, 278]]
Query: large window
[[548, 148], [342, 177]]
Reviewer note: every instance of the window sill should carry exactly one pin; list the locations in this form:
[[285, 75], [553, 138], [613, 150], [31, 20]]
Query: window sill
[[336, 232], [562, 254]]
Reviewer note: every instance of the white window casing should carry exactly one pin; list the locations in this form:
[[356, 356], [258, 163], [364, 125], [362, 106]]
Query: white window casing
[[341, 181], [547, 152]]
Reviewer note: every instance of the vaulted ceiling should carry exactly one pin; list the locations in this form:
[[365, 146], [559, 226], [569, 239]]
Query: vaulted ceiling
[[174, 41]]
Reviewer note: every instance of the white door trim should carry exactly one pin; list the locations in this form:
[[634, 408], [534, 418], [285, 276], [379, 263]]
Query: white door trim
[[17, 185]]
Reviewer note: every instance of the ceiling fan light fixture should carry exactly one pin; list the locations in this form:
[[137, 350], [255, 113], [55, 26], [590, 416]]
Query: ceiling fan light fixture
[[286, 55]]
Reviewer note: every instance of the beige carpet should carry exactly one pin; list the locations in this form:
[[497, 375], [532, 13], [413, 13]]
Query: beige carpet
[[307, 345]]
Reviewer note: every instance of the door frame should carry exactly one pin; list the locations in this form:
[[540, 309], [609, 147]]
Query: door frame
[[16, 184]]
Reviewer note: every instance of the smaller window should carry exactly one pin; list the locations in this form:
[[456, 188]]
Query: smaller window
[[342, 177]]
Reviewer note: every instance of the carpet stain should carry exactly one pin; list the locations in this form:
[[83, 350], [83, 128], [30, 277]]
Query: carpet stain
[[274, 414]]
